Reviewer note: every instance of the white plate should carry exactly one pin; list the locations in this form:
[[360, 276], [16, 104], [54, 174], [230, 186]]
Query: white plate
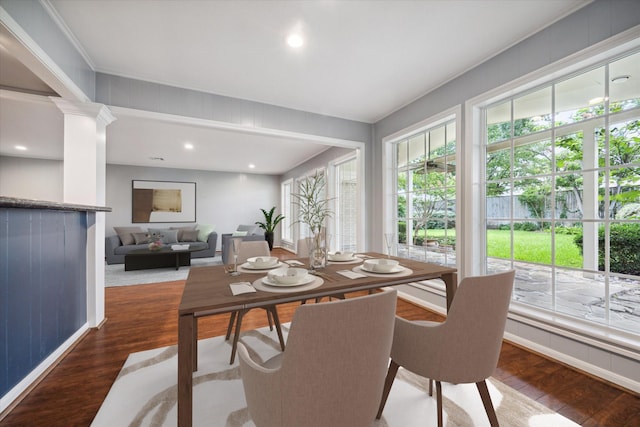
[[394, 270], [305, 280], [248, 266], [342, 260]]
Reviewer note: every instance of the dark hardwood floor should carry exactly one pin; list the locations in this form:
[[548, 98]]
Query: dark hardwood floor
[[143, 317]]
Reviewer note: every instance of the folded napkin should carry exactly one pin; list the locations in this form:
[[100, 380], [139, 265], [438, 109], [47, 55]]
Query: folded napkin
[[241, 288], [351, 274], [294, 262]]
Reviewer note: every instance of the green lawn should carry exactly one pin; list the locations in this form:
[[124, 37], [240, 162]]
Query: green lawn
[[531, 246]]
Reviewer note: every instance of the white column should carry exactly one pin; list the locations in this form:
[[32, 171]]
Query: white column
[[85, 184]]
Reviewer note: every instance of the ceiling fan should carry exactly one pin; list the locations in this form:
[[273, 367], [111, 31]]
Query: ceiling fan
[[434, 166]]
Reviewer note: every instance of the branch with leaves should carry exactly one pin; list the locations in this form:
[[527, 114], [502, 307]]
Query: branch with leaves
[[313, 206]]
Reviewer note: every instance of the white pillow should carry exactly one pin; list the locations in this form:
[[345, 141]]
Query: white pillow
[[204, 230], [239, 233]]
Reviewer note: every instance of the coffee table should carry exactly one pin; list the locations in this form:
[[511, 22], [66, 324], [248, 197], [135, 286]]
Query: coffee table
[[142, 259]]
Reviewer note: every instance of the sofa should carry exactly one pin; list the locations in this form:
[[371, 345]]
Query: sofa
[[131, 238], [244, 232]]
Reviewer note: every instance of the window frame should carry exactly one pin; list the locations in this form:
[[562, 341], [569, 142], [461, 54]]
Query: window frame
[[603, 336]]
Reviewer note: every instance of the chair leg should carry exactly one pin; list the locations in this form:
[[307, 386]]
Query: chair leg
[[439, 400], [486, 401], [270, 319], [236, 335], [232, 320], [276, 320], [388, 382]]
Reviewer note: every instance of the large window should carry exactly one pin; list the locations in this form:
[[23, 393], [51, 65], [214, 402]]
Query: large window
[[346, 202], [425, 194], [562, 187], [287, 210]]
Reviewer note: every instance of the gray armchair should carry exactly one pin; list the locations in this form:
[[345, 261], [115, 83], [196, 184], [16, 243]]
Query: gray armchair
[[254, 233], [332, 371]]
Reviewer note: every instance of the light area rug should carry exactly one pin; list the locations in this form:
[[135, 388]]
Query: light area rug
[[114, 274], [144, 393]]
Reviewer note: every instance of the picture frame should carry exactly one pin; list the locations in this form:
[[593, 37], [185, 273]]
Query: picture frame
[[163, 201]]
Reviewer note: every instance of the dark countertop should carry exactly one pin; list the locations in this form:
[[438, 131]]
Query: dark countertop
[[12, 202]]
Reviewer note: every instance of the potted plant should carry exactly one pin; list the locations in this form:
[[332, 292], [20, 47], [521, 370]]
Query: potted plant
[[313, 210], [269, 225]]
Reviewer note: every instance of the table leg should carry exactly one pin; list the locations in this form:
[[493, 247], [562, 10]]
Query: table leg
[[185, 369], [451, 284]]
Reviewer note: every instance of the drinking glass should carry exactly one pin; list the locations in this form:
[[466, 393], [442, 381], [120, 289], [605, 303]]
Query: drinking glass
[[235, 248], [388, 240]]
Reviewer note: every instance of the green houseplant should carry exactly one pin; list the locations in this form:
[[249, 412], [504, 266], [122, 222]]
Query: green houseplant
[[269, 225], [313, 210]]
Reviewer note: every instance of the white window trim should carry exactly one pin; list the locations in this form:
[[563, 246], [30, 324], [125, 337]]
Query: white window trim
[[390, 180], [289, 211], [475, 253], [359, 189]]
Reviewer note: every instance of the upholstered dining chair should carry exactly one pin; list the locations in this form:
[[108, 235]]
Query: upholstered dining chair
[[249, 249], [462, 349], [333, 369]]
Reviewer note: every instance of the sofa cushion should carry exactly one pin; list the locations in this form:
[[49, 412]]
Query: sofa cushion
[[198, 246], [141, 238], [126, 234], [123, 250], [188, 236], [204, 230], [168, 236], [182, 230]]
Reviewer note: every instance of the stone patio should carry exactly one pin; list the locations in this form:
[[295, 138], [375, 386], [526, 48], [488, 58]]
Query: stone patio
[[578, 294]]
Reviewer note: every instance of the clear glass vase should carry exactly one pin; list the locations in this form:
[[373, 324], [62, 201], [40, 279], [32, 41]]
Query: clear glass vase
[[318, 247]]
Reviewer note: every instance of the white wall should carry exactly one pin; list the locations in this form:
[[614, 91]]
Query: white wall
[[31, 178], [223, 199]]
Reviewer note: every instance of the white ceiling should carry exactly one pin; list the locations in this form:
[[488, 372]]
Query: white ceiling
[[362, 60]]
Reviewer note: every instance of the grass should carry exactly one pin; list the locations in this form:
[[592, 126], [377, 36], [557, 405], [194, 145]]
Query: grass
[[528, 246]]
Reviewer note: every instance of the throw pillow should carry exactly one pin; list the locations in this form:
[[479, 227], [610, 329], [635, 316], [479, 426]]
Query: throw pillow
[[239, 234], [189, 236], [141, 238], [204, 230], [168, 236], [126, 234], [181, 230]]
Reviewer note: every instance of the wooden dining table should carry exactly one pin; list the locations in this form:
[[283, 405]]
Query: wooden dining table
[[207, 292]]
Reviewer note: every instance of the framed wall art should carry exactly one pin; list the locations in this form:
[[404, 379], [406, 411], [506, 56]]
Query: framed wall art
[[163, 201]]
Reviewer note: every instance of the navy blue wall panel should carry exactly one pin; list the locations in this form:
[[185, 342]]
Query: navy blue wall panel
[[43, 295]]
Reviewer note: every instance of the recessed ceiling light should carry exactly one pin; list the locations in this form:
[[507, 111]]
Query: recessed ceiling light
[[188, 146], [295, 40], [252, 166], [20, 147], [620, 79]]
